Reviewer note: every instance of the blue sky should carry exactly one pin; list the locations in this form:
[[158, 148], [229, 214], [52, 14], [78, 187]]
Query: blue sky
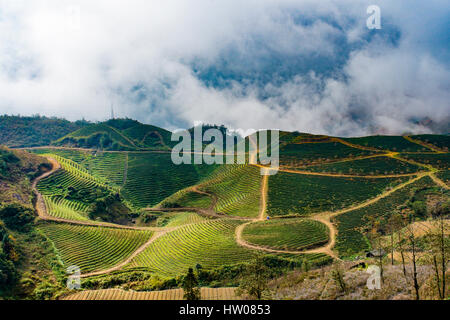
[[311, 66]]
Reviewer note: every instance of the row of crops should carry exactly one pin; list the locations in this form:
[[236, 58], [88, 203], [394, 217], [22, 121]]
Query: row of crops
[[176, 219], [108, 167], [298, 194], [391, 143], [188, 199], [437, 160], [71, 186], [60, 207], [170, 294], [210, 244], [93, 248], [293, 154], [369, 166], [440, 141], [152, 177], [350, 238], [287, 234], [238, 189]]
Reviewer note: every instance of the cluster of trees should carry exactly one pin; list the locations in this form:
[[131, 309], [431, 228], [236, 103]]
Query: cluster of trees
[[13, 217], [17, 131], [7, 159]]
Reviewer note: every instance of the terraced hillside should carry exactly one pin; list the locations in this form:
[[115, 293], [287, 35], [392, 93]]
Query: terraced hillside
[[351, 224], [378, 165], [388, 143], [302, 194], [152, 177], [304, 153], [93, 248], [198, 214], [287, 234], [439, 141], [210, 244], [237, 188]]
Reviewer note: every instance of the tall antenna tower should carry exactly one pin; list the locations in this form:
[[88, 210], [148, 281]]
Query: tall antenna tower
[[112, 111]]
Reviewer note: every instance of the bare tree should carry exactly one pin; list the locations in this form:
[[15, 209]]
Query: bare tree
[[413, 246]]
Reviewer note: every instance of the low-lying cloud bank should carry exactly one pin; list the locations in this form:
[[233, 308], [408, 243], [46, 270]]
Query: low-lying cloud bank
[[295, 65]]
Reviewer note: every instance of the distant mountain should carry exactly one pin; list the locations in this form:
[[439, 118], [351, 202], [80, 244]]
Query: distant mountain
[[16, 131], [118, 134]]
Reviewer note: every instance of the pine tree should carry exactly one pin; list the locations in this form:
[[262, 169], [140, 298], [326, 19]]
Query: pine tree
[[190, 283]]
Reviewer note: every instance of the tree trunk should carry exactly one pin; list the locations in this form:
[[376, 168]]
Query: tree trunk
[[416, 283], [444, 267], [438, 281], [392, 248]]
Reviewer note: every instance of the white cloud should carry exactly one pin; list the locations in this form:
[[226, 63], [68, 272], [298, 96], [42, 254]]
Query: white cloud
[[138, 55]]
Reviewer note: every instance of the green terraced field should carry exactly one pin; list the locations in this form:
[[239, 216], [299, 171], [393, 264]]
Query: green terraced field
[[438, 160], [440, 141], [72, 187], [350, 239], [59, 207], [293, 154], [152, 177], [108, 165], [210, 244], [391, 143], [77, 156], [238, 188], [287, 234], [188, 199], [177, 219], [370, 166], [93, 248], [291, 193]]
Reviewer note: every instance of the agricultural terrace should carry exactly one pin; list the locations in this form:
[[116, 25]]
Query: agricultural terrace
[[188, 199], [444, 176], [238, 189], [176, 219], [210, 244], [299, 154], [351, 225], [438, 160], [299, 194], [59, 207], [370, 166], [93, 248], [440, 141], [152, 177], [287, 234], [71, 186], [170, 294], [391, 143], [107, 166]]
